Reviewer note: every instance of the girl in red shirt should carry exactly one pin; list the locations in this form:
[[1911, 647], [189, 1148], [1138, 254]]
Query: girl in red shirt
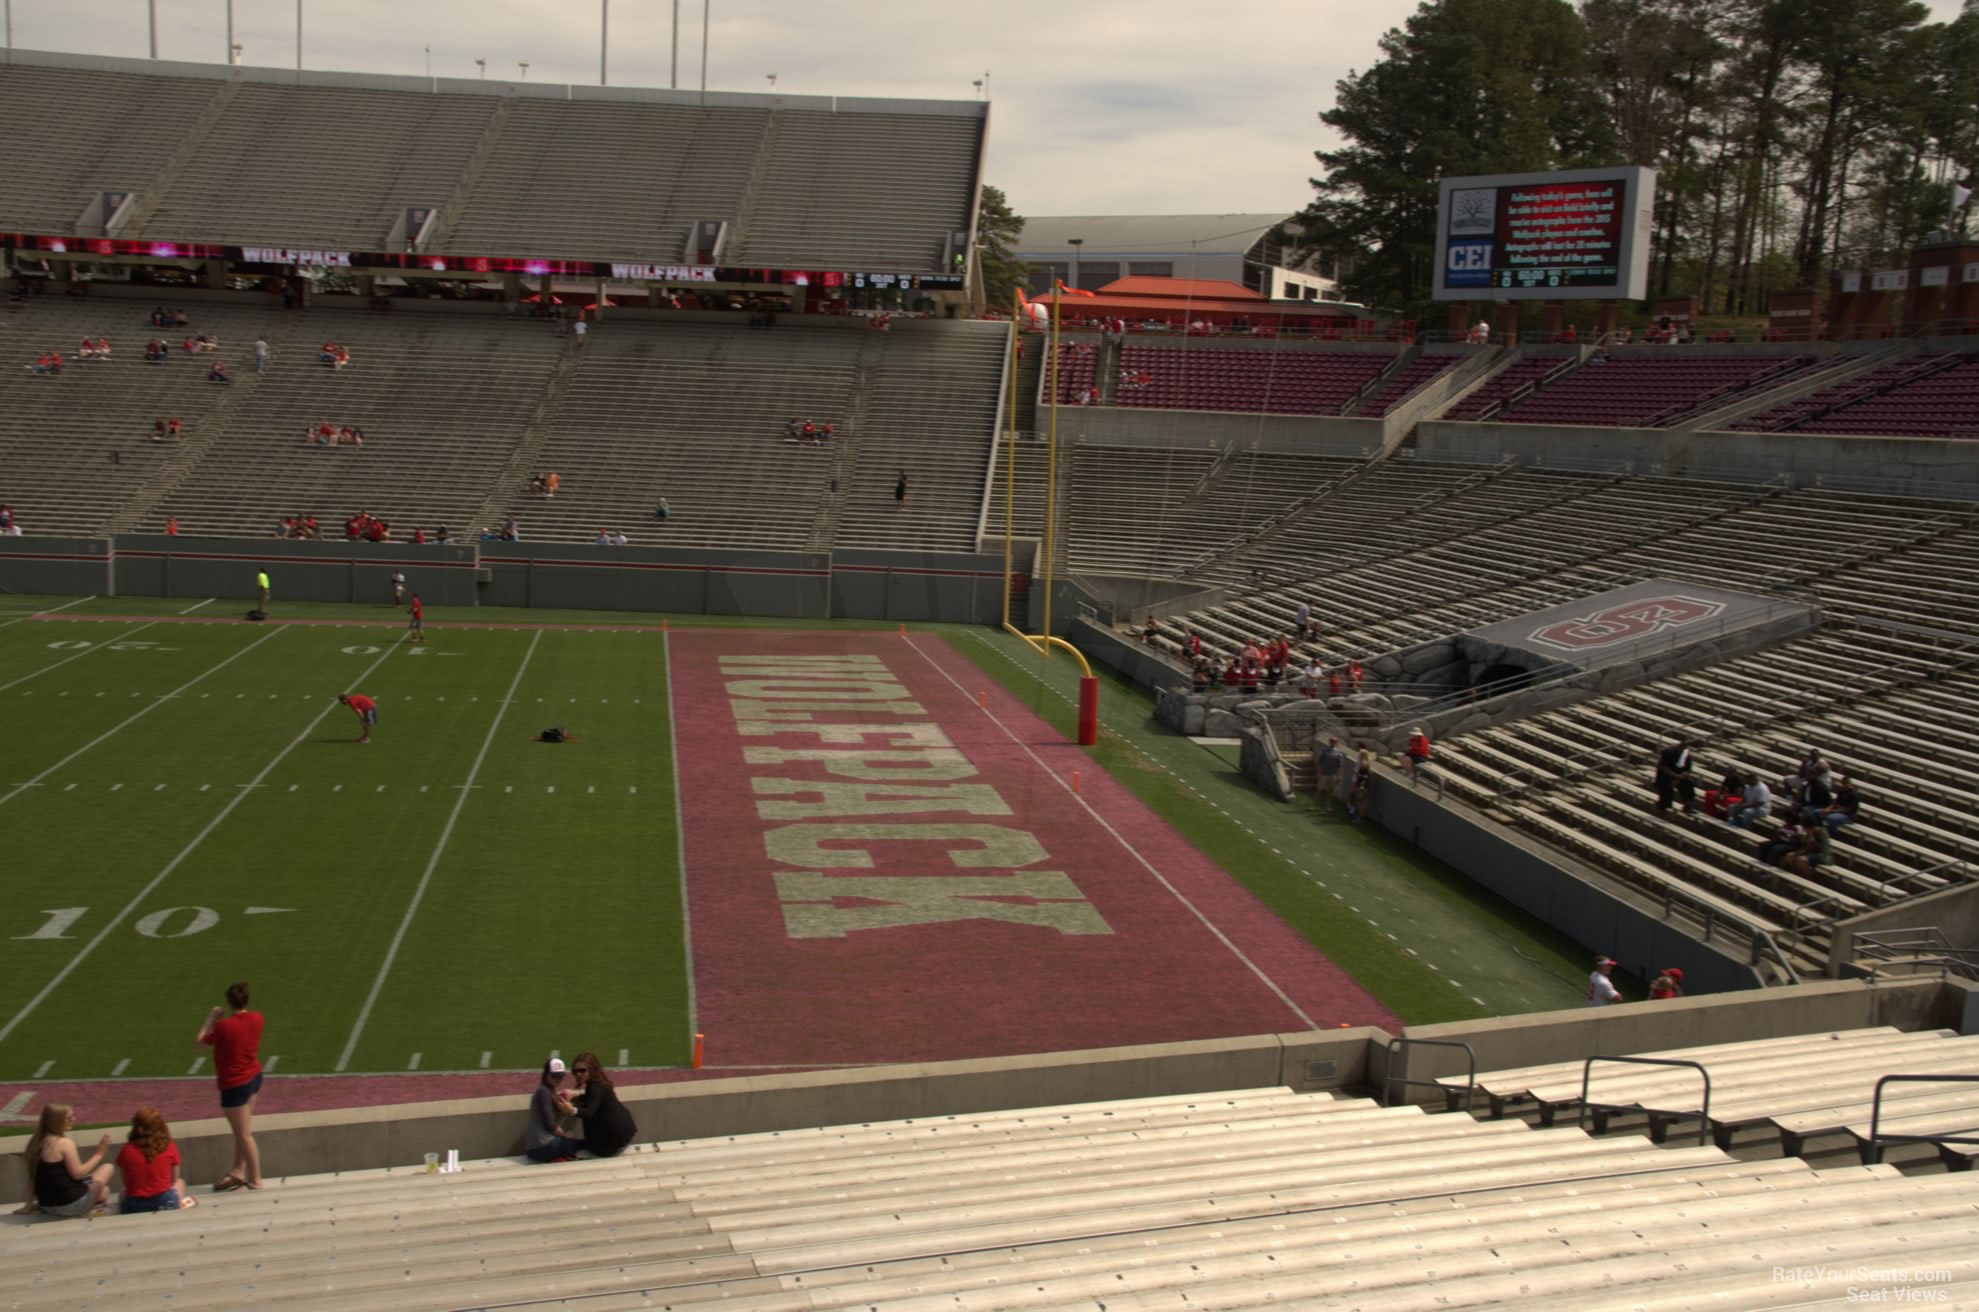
[[149, 1164], [235, 1037]]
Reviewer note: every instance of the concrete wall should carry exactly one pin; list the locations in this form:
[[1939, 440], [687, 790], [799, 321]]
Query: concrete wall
[[59, 567], [1895, 465], [1143, 665], [1555, 1036], [960, 587], [1953, 911], [1107, 425], [307, 1143]]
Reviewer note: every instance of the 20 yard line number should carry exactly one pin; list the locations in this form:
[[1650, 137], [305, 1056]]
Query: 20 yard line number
[[171, 922], [80, 644]]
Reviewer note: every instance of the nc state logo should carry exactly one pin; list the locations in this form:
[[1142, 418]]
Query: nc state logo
[[1626, 622]]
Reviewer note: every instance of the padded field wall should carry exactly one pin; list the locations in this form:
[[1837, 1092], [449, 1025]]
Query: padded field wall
[[397, 1136], [848, 584]]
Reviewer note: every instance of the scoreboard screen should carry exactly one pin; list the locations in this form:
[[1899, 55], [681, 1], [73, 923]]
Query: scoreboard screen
[[1578, 235]]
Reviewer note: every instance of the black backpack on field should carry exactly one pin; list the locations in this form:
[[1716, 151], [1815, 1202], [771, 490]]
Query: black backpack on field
[[555, 735], [257, 614]]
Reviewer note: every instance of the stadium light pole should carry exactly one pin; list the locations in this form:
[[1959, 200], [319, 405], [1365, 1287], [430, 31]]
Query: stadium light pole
[[1075, 243], [673, 80], [704, 45], [231, 47], [298, 36], [604, 36], [152, 5]]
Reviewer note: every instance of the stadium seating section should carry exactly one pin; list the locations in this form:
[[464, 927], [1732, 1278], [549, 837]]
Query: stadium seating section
[[1647, 390], [1253, 1197], [1933, 396], [607, 176]]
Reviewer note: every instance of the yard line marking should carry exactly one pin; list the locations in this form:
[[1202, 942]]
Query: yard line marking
[[624, 1058], [293, 787], [43, 1069], [269, 1065], [116, 922], [679, 840], [159, 789], [190, 609], [433, 861], [113, 788], [16, 1105], [552, 788], [413, 1065], [118, 1069], [1120, 838], [65, 605], [592, 789], [486, 1057], [381, 788], [196, 1065], [70, 789], [336, 788], [98, 646]]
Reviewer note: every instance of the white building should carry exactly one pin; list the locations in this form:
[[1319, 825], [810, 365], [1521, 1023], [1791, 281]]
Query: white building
[[1092, 250]]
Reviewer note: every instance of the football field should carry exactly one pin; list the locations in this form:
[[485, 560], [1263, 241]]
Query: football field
[[186, 804]]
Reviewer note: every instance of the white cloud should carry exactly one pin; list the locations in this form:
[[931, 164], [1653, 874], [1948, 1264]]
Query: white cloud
[[1101, 106]]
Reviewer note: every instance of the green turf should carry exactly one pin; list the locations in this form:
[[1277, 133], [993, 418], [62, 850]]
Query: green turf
[[214, 769]]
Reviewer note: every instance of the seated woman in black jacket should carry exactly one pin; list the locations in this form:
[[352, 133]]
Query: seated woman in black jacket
[[608, 1126]]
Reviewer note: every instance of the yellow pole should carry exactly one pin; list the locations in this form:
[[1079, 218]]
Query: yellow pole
[[1010, 461], [1051, 469]]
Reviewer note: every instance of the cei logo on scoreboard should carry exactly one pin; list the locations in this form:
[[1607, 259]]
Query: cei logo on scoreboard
[[1467, 264]]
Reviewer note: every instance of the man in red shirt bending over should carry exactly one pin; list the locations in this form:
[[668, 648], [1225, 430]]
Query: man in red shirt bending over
[[367, 711]]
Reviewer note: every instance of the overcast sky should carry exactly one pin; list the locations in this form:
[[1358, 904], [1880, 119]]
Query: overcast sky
[[1101, 106]]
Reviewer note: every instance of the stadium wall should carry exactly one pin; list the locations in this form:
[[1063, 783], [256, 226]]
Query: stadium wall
[[909, 586], [397, 1136], [1895, 466], [1325, 435]]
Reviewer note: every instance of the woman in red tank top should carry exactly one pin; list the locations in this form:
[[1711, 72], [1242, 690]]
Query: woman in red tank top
[[234, 1034]]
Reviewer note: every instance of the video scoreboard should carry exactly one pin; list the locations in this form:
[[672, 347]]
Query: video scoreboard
[[1582, 234]]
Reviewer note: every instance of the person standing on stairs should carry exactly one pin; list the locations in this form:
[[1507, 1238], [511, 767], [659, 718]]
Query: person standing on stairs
[[900, 490], [260, 355]]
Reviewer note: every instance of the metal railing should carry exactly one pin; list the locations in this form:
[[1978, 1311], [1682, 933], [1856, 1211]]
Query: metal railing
[[1587, 1075], [1399, 1046], [1761, 941], [1872, 1151], [1923, 946]]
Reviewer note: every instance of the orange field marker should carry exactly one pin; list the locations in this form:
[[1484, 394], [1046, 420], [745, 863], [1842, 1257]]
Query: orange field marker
[[982, 701], [697, 1050], [1075, 781]]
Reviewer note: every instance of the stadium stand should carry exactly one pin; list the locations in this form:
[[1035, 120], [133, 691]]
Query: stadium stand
[[1485, 400], [1820, 404], [1646, 390], [256, 156], [1937, 401], [1231, 1199], [1406, 382], [1287, 380]]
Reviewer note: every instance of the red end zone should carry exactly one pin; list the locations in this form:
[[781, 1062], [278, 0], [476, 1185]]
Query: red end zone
[[880, 871]]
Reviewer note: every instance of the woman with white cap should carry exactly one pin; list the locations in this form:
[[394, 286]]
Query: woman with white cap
[[542, 1142]]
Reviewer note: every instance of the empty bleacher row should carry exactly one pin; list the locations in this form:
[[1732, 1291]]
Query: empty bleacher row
[[458, 412], [1648, 390], [243, 156], [1246, 1198], [1405, 382], [1283, 381], [1929, 397]]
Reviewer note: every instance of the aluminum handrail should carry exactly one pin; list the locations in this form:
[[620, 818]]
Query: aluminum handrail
[[1587, 1074]]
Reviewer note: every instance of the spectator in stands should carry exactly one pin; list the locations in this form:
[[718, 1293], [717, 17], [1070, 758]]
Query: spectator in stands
[[579, 332], [180, 318], [1720, 800], [1669, 984], [1192, 643], [1756, 804], [662, 511], [6, 519], [608, 1126], [1571, 336], [1309, 679], [1812, 852], [1815, 798], [1233, 673], [1302, 619], [1416, 752], [218, 373], [900, 490], [234, 1034], [1336, 683], [1150, 631], [1601, 990], [1203, 676], [619, 539], [1673, 779], [261, 355], [442, 536], [1328, 764], [287, 529], [1355, 674], [149, 1164], [551, 482], [45, 363], [60, 1182], [171, 526], [511, 531], [542, 1141], [155, 351], [603, 539], [158, 430], [1784, 840], [536, 484], [159, 318], [1360, 779], [1844, 809]]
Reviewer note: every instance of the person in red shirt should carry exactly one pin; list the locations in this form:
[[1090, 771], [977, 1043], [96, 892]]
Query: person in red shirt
[[1355, 674], [149, 1164], [171, 526], [367, 711], [234, 1034], [1417, 751], [416, 626]]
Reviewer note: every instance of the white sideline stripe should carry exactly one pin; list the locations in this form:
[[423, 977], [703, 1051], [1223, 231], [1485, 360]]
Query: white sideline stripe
[[679, 838], [1066, 786], [143, 894], [65, 605], [96, 646], [433, 861], [190, 609], [148, 709]]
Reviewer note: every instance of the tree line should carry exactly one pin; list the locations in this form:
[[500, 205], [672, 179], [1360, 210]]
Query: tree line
[[1792, 137]]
